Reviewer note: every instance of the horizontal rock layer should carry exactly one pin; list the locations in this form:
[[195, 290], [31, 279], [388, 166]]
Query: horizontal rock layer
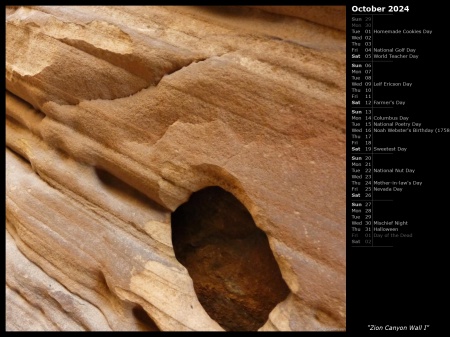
[[116, 115]]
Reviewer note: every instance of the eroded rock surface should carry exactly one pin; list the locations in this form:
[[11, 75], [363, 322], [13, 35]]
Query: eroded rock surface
[[236, 277], [115, 116]]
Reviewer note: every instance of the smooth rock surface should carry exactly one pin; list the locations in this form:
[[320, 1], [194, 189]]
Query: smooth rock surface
[[116, 115]]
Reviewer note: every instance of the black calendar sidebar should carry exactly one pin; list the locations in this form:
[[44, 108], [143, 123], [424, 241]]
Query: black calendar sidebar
[[397, 176]]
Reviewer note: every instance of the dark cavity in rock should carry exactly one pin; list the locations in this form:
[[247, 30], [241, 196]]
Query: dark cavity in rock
[[236, 277]]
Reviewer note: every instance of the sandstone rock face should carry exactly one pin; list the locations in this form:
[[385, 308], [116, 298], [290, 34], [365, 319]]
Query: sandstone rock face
[[117, 116]]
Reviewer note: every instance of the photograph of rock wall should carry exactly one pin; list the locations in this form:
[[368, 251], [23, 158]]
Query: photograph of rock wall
[[175, 168]]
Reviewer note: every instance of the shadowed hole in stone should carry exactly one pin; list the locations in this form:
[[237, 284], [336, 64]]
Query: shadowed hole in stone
[[144, 319], [235, 275]]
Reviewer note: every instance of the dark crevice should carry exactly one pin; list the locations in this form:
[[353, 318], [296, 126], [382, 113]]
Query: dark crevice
[[173, 71], [147, 324], [235, 275], [121, 188]]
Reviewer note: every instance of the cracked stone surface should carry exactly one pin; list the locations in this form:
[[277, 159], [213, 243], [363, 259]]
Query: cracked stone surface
[[115, 116]]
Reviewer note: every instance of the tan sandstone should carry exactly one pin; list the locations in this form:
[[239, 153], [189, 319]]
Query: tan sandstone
[[116, 115]]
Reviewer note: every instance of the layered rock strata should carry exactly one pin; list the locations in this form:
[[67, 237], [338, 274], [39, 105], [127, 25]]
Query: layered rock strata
[[115, 116]]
